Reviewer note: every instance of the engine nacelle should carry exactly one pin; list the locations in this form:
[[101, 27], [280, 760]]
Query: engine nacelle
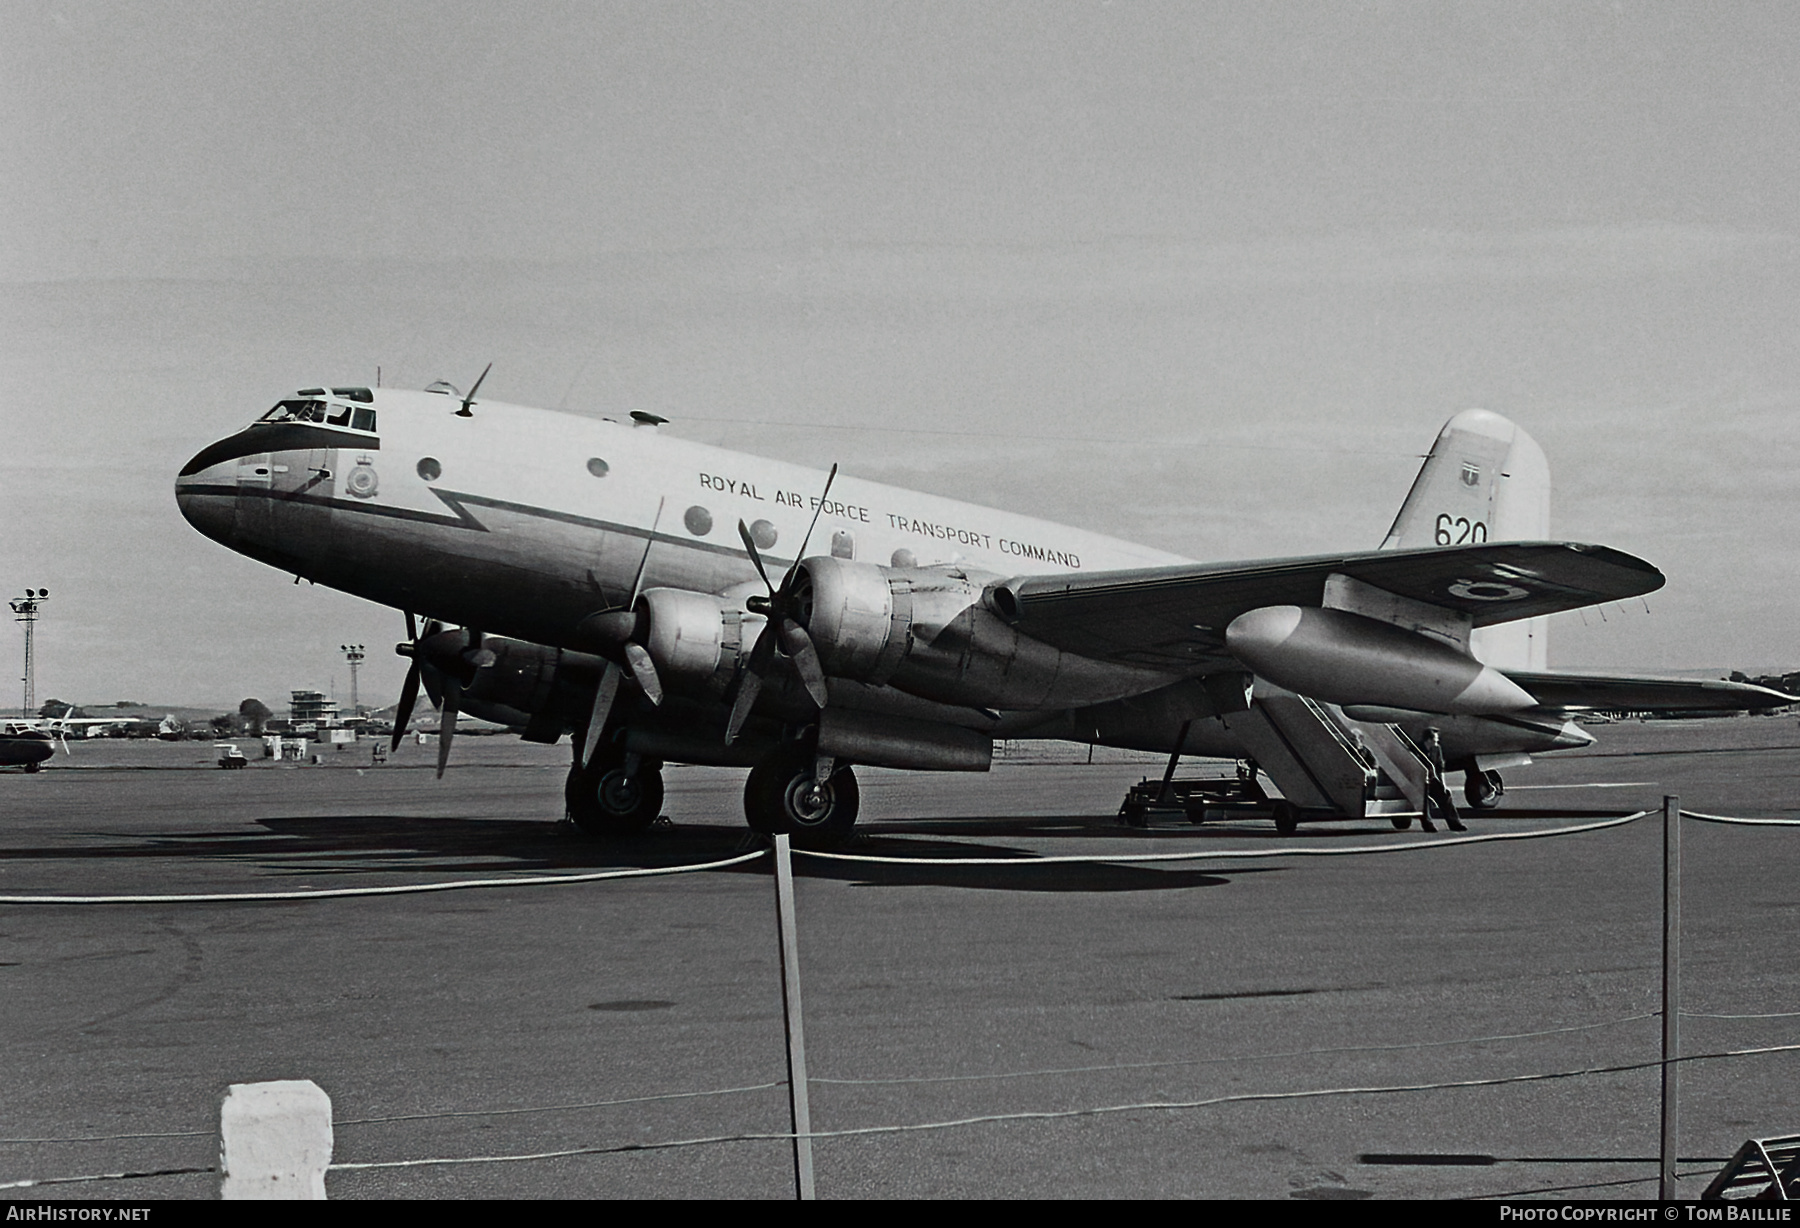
[[514, 682], [1347, 658], [520, 675], [930, 633], [695, 639]]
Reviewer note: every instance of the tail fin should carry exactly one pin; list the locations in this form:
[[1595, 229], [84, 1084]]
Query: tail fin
[[1485, 480]]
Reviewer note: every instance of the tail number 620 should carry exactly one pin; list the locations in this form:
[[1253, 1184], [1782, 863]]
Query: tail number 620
[[1459, 530]]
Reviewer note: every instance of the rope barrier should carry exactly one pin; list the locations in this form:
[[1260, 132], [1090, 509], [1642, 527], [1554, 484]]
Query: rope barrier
[[154, 1172], [1064, 1114], [955, 1123], [449, 1114], [1245, 1057], [1228, 854], [341, 893], [558, 1108], [1737, 822]]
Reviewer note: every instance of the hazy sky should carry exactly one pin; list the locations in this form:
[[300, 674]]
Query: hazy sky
[[1207, 276]]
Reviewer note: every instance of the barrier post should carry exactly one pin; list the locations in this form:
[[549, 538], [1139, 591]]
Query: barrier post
[[799, 1112], [1671, 995], [274, 1140]]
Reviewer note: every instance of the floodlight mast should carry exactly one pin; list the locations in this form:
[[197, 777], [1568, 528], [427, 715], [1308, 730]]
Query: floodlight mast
[[25, 610]]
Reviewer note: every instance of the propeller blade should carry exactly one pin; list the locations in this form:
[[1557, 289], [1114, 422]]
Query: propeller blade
[[412, 628], [749, 686], [409, 695], [829, 479], [604, 694], [637, 583], [447, 722], [750, 681], [644, 670], [755, 557], [799, 647]]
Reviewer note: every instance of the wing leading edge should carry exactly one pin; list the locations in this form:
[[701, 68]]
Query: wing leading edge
[[1174, 618]]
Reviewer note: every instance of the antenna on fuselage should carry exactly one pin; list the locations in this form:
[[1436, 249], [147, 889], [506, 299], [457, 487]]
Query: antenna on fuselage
[[469, 400]]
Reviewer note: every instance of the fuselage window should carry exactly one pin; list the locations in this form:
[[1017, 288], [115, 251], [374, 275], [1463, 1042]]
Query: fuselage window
[[598, 467], [698, 521], [763, 534], [429, 469], [363, 419], [843, 545]]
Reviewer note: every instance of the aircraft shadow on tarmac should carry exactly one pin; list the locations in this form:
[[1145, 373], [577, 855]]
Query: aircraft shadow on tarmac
[[317, 846]]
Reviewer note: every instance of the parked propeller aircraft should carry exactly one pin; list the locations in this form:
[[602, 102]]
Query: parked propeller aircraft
[[659, 600], [24, 745]]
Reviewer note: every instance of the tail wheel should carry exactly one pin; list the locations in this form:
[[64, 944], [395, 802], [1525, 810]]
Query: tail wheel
[[1287, 817], [1483, 789], [782, 798], [605, 800]]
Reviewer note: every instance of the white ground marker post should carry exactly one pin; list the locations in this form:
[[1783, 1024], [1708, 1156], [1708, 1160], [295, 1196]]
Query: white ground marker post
[[274, 1140], [1671, 995], [800, 1114]]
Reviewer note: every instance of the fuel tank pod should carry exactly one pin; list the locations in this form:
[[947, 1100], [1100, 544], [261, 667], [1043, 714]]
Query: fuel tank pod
[[1346, 658]]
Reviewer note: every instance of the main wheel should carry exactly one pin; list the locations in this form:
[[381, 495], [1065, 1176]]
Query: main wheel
[[1287, 817], [1483, 789], [603, 800], [781, 798]]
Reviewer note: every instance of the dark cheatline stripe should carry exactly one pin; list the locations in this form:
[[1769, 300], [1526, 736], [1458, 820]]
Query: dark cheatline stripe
[[276, 437]]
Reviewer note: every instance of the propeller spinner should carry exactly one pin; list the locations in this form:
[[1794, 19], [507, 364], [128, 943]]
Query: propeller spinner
[[451, 657]]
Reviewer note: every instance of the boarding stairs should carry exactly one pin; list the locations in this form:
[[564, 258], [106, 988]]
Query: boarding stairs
[[1763, 1170], [1331, 766]]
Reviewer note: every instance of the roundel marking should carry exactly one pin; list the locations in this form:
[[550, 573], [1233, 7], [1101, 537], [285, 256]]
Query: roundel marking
[[1487, 590]]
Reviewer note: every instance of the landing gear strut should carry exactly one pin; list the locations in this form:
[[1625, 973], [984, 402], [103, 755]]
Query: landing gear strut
[[784, 796], [617, 795]]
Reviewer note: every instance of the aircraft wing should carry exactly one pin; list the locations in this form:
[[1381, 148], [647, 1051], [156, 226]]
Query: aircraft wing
[[1585, 693], [1174, 618]]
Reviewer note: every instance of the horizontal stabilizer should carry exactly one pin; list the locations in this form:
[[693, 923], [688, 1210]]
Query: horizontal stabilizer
[[1584, 693]]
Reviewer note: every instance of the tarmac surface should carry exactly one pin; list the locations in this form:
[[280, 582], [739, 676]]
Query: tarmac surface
[[519, 1020]]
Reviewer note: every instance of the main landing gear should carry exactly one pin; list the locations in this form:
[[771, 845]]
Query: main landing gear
[[800, 794], [617, 795], [1483, 789]]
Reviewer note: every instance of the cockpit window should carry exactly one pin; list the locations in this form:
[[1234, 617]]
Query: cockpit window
[[358, 417], [296, 411]]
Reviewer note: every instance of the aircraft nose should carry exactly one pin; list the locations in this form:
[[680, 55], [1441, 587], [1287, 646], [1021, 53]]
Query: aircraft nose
[[206, 493]]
